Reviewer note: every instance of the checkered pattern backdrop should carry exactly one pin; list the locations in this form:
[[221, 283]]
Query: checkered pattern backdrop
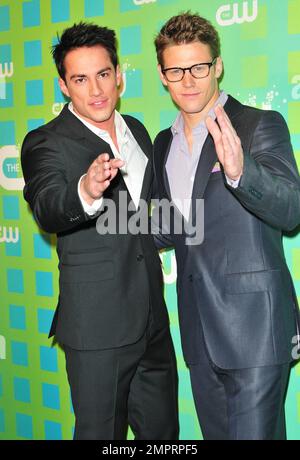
[[261, 51]]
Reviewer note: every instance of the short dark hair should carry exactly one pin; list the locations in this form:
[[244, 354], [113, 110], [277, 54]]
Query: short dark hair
[[83, 34], [187, 28]]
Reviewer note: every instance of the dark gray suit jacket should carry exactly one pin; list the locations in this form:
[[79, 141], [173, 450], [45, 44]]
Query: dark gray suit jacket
[[107, 282], [235, 287]]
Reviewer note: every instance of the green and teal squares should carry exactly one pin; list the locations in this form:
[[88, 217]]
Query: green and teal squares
[[31, 13], [93, 8], [4, 18]]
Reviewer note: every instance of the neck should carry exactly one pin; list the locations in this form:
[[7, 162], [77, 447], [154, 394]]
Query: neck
[[191, 120]]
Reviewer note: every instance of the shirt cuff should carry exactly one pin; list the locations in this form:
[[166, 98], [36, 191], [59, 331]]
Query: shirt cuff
[[92, 209], [233, 183]]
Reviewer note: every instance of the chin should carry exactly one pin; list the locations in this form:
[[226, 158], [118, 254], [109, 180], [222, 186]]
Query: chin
[[191, 110], [101, 117]]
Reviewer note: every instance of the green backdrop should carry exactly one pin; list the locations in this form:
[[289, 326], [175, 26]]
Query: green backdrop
[[261, 51]]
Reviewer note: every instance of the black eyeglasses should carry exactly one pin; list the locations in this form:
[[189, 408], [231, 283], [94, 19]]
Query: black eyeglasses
[[201, 70]]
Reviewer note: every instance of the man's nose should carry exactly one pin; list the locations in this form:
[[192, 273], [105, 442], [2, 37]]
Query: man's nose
[[188, 79], [95, 87]]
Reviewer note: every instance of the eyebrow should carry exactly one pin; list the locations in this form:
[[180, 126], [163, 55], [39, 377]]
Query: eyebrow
[[84, 75]]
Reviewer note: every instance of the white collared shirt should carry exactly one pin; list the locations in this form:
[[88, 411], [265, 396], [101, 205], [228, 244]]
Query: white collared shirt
[[129, 151]]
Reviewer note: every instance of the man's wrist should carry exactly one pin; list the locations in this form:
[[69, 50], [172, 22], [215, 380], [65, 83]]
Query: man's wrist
[[84, 194], [233, 182]]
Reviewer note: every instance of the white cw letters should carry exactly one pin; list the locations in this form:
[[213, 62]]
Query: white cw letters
[[7, 69], [9, 235], [229, 14]]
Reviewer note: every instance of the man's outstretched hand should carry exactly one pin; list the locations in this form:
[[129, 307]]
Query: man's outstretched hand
[[98, 177], [227, 143]]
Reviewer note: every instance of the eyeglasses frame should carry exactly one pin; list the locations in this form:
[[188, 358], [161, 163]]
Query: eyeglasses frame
[[210, 64]]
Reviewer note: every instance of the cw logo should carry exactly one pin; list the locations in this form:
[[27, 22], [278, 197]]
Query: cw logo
[[9, 168], [228, 14], [57, 108], [8, 236], [2, 347], [296, 88], [143, 2], [7, 69]]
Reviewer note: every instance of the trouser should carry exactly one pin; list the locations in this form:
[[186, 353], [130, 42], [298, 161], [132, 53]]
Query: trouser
[[135, 384], [242, 403]]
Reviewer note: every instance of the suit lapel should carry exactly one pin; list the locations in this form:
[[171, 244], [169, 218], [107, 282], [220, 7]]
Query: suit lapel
[[139, 136], [162, 147], [206, 162], [72, 127], [148, 175]]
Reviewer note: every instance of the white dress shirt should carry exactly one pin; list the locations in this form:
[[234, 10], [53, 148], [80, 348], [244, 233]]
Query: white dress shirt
[[129, 151]]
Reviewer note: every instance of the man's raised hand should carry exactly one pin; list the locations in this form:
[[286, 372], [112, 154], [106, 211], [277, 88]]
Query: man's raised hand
[[98, 177], [227, 143]]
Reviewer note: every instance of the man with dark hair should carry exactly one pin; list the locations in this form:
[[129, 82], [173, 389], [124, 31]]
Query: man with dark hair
[[237, 306], [111, 319]]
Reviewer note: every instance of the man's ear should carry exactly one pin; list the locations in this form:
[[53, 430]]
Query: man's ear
[[218, 67], [63, 87], [118, 75], [161, 75]]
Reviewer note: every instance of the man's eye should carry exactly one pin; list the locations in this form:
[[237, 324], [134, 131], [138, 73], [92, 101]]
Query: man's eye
[[79, 80], [103, 75], [199, 68], [175, 71]]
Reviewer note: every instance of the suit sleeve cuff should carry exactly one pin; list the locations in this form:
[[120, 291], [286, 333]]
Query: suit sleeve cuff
[[233, 183]]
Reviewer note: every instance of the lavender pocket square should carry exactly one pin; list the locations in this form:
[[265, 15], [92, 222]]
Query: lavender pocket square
[[216, 167]]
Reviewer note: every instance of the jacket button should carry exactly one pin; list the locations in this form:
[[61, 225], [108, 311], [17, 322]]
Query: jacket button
[[191, 278], [139, 257]]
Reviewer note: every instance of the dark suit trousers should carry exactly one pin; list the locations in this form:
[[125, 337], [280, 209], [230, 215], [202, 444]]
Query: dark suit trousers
[[240, 403], [135, 384]]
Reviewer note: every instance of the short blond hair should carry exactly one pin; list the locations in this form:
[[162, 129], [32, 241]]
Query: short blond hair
[[187, 28]]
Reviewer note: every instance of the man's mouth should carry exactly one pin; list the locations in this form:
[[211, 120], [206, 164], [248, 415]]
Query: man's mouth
[[99, 103], [190, 94]]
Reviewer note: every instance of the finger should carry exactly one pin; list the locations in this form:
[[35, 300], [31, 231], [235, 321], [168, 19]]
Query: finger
[[227, 128], [103, 157], [228, 151], [101, 174], [230, 142], [216, 134], [213, 128], [117, 163], [233, 163], [225, 121], [114, 172], [102, 186]]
